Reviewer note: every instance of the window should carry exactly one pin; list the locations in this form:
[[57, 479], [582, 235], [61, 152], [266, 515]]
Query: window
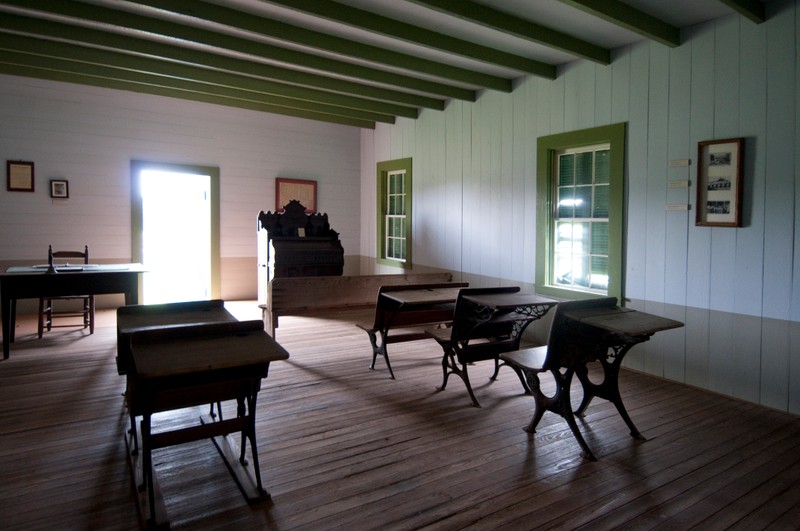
[[579, 219], [394, 213]]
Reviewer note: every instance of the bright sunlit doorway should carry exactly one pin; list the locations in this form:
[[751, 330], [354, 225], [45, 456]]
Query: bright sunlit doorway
[[175, 231]]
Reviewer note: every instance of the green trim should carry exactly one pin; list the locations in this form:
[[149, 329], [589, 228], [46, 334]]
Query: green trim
[[192, 95], [280, 30], [383, 169], [137, 221], [387, 26], [323, 41], [40, 53], [752, 9], [546, 146], [122, 43], [492, 18], [630, 18]]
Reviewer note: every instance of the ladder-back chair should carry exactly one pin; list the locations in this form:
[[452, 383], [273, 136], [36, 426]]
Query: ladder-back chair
[[47, 313]]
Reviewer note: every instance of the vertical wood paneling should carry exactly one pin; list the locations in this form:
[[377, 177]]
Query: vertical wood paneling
[[677, 222], [728, 78], [656, 191], [780, 170], [753, 123], [780, 187], [702, 128], [636, 240], [656, 173], [726, 125]]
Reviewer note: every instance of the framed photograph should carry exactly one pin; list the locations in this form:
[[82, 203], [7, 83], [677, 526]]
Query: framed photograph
[[303, 191], [719, 183], [59, 188], [20, 176]]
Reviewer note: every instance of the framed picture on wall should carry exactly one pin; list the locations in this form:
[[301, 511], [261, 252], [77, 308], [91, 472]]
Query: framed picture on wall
[[719, 183], [59, 188], [289, 189], [20, 176]]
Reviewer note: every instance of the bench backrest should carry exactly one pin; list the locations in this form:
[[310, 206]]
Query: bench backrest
[[358, 291], [467, 328], [424, 314], [564, 348]]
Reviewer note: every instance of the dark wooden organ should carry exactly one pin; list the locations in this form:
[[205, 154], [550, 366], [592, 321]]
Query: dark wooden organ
[[296, 244]]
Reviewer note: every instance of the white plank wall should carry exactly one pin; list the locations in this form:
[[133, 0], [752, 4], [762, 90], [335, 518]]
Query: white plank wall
[[90, 135], [738, 290]]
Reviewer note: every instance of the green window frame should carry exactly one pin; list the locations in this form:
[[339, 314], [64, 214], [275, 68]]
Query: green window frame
[[580, 213], [394, 213]]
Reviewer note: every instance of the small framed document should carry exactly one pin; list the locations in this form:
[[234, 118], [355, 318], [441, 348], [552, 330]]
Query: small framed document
[[59, 188]]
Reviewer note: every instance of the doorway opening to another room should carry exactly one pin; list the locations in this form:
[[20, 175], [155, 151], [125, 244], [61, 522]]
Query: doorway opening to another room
[[175, 231]]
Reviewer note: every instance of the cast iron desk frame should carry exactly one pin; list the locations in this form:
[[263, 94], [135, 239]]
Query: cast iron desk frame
[[608, 334], [195, 365], [33, 283], [521, 309]]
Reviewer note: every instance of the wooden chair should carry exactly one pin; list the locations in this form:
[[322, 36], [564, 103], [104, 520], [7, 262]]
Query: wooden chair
[[46, 310], [567, 352], [478, 336]]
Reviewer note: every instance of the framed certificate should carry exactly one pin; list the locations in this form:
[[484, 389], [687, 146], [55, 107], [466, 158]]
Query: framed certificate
[[20, 176]]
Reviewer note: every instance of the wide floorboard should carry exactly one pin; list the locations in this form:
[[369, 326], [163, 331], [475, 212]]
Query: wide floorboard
[[343, 447]]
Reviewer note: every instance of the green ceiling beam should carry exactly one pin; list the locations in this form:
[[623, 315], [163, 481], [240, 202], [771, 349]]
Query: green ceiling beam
[[387, 26], [209, 60], [630, 18], [299, 35], [70, 77], [751, 9], [525, 29], [172, 30], [89, 61]]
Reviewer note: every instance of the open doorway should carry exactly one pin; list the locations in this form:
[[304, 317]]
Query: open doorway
[[175, 231]]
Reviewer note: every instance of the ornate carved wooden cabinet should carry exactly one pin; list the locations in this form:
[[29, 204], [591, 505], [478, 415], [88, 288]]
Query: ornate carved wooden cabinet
[[296, 244]]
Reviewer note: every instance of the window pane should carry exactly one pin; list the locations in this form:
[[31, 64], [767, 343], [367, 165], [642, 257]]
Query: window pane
[[583, 167], [566, 169], [583, 201], [572, 237], [599, 275], [602, 166], [600, 238], [566, 202], [600, 205]]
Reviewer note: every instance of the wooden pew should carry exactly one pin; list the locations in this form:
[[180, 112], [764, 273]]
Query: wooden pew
[[396, 322], [299, 295]]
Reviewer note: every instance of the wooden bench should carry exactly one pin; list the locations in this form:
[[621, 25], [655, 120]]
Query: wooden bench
[[396, 322], [300, 295]]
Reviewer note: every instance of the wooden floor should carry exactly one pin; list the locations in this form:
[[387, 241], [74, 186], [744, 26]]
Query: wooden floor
[[343, 447]]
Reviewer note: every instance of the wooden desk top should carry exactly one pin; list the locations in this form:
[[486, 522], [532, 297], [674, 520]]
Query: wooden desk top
[[144, 317], [623, 321], [509, 301], [73, 268], [423, 296], [210, 347]]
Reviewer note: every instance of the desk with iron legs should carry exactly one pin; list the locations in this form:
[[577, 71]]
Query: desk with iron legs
[[606, 335], [196, 365], [485, 325]]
